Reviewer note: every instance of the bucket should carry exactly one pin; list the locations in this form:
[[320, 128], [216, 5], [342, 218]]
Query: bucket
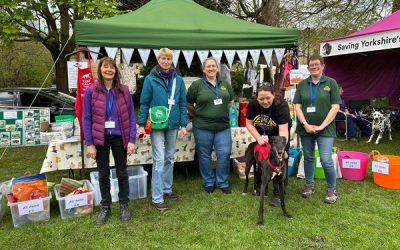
[[353, 165], [319, 170], [386, 170]]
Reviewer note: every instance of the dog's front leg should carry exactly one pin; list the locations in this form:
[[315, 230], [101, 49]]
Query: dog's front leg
[[372, 135], [379, 137], [281, 188], [264, 183], [389, 130]]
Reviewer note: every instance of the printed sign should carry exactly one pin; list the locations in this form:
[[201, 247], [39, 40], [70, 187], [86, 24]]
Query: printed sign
[[30, 207], [378, 41], [380, 167], [78, 200], [351, 163], [318, 160], [73, 72], [290, 161], [297, 75]]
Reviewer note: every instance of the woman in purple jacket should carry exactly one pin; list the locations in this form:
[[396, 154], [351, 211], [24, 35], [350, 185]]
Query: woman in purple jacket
[[109, 123]]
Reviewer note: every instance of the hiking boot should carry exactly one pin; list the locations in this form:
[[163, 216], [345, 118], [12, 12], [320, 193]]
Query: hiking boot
[[330, 197], [275, 202], [171, 196], [209, 189], [226, 190], [125, 213], [308, 191], [161, 206], [105, 212]]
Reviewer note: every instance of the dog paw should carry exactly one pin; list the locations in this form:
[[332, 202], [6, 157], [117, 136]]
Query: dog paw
[[260, 224], [243, 193]]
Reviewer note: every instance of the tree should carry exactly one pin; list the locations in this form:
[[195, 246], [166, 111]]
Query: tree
[[395, 5], [50, 23], [264, 11]]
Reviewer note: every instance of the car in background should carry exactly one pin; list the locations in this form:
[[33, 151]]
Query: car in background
[[22, 98]]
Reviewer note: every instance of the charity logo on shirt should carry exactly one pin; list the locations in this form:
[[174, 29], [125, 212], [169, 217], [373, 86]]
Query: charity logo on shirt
[[262, 121]]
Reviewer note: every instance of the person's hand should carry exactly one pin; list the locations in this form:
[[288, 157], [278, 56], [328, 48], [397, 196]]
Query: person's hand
[[310, 128], [262, 140], [182, 132], [141, 131], [130, 148], [91, 152], [318, 128]]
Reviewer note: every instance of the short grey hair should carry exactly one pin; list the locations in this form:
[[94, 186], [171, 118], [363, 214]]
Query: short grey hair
[[210, 59]]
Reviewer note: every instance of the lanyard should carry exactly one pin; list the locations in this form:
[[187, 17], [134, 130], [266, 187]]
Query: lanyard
[[213, 89], [110, 101], [169, 86], [312, 94], [264, 125]]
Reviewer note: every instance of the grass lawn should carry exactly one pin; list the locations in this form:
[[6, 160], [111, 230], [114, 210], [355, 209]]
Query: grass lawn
[[365, 215]]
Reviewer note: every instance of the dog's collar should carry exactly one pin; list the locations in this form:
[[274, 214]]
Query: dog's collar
[[263, 152]]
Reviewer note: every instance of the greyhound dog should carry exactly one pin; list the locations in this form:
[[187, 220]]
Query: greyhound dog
[[380, 123], [270, 160]]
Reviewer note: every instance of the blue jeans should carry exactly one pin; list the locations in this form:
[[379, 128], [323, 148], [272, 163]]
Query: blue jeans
[[103, 165], [222, 143], [163, 144], [325, 145]]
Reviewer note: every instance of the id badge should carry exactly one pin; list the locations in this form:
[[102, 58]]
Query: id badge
[[171, 102], [110, 124], [218, 101], [311, 109]]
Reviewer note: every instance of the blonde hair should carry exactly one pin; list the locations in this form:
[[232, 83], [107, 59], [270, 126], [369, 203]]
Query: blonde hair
[[164, 52]]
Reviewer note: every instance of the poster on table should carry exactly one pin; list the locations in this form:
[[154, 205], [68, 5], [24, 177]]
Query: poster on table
[[22, 127]]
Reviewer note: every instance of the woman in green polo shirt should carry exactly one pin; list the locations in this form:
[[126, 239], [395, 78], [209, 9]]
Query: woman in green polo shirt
[[316, 102], [208, 102]]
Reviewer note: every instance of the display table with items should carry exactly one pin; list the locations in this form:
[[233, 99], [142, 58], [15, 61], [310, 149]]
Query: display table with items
[[66, 154]]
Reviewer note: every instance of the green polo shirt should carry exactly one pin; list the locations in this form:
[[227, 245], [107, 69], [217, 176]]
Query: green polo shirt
[[328, 94], [207, 115]]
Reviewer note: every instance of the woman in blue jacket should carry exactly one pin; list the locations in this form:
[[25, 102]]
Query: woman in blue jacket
[[157, 90]]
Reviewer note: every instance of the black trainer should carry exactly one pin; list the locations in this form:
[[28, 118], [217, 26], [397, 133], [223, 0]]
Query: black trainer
[[125, 213], [209, 189], [226, 190], [161, 206], [171, 196], [275, 202], [105, 212]]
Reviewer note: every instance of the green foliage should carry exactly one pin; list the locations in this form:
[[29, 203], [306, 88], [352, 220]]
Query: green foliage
[[364, 216], [237, 80], [27, 64]]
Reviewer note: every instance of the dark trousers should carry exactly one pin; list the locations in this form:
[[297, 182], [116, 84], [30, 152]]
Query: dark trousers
[[103, 164]]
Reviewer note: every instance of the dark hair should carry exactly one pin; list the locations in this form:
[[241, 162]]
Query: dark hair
[[117, 77], [269, 88], [314, 58]]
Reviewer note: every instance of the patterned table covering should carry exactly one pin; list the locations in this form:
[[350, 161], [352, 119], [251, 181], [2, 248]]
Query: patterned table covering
[[65, 155]]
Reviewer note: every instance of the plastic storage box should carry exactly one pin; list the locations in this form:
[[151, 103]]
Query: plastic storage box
[[2, 208], [75, 205], [137, 184], [27, 212]]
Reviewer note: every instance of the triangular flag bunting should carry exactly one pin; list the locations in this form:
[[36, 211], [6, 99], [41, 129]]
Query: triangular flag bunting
[[242, 56], [230, 55], [268, 55], [217, 54], [255, 54], [203, 54], [94, 55], [175, 56], [279, 54], [111, 52], [127, 55], [188, 54], [144, 55], [155, 51]]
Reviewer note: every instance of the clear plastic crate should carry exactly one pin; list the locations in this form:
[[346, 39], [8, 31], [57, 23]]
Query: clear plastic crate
[[137, 184], [75, 205], [2, 208], [27, 212]]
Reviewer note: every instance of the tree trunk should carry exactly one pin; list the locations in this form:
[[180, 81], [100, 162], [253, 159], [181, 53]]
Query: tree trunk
[[62, 75], [395, 6], [269, 13]]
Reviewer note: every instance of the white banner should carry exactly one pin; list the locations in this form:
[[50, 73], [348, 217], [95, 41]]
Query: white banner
[[127, 55], [94, 55], [378, 41], [111, 52], [268, 55], [72, 69], [255, 54], [279, 54], [175, 56], [144, 55], [217, 54], [242, 56], [188, 54], [203, 54], [155, 51], [230, 55]]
